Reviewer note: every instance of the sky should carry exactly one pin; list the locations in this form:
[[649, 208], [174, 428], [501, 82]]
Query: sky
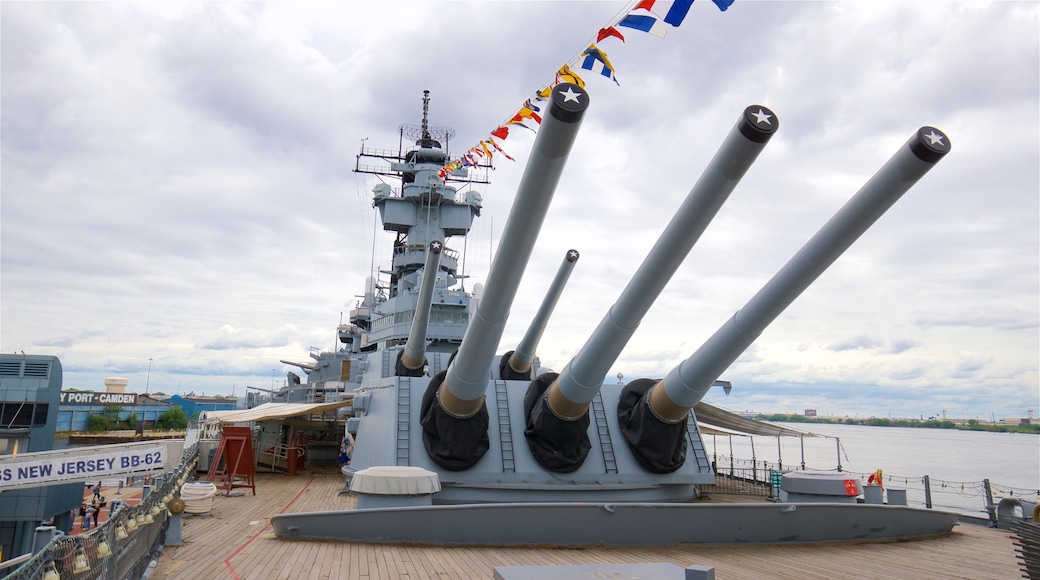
[[179, 206]]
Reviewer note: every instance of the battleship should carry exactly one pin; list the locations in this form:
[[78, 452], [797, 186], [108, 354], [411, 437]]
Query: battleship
[[457, 443]]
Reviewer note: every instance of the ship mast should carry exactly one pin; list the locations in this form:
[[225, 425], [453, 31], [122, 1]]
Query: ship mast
[[375, 161], [425, 115], [422, 209]]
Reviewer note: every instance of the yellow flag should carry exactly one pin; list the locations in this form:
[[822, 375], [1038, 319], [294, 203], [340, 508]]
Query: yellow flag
[[567, 75]]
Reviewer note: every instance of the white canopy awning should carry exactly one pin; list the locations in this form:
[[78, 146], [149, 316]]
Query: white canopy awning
[[718, 421], [707, 429], [271, 411]]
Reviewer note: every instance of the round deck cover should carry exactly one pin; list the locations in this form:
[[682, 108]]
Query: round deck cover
[[395, 480]]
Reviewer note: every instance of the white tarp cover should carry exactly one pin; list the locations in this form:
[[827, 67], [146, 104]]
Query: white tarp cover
[[271, 411], [395, 480], [710, 417]]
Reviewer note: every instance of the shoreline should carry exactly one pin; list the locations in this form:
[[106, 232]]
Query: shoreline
[[954, 424]]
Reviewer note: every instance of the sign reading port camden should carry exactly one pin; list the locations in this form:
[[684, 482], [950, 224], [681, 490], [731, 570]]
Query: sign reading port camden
[[92, 398]]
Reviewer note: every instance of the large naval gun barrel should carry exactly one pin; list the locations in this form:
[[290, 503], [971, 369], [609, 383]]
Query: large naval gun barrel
[[453, 415], [412, 359], [557, 411], [516, 364], [652, 413]]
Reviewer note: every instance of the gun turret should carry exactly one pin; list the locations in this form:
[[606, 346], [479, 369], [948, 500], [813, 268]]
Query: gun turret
[[454, 417], [516, 364], [652, 413], [556, 407], [412, 359]]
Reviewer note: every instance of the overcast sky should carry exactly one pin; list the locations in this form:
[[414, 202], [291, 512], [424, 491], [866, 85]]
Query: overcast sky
[[178, 188]]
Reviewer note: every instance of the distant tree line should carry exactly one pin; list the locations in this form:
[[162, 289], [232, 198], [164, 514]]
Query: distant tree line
[[173, 419], [972, 425]]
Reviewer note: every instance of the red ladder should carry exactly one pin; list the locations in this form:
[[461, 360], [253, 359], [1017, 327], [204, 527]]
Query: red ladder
[[233, 462]]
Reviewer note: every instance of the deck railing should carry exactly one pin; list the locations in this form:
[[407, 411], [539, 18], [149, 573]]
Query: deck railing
[[115, 549], [997, 503]]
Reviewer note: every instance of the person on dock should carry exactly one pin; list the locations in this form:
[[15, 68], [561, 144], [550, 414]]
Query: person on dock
[[88, 515], [97, 490]]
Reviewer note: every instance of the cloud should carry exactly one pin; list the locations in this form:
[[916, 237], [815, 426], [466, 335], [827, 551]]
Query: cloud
[[229, 338], [853, 343], [178, 186]]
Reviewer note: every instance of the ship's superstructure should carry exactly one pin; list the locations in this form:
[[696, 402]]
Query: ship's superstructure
[[422, 211]]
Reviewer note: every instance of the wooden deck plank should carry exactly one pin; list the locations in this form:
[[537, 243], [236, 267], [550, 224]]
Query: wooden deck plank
[[322, 557], [238, 529], [307, 562]]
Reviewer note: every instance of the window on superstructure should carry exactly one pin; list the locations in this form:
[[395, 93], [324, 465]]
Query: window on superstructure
[[23, 414], [40, 414]]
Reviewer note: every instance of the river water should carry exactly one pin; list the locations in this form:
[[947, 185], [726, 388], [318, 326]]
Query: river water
[[1010, 459]]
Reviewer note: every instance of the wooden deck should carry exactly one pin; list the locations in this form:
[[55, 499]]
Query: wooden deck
[[236, 541]]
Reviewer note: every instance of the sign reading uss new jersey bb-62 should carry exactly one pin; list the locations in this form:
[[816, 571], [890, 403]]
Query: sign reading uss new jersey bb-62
[[87, 463]]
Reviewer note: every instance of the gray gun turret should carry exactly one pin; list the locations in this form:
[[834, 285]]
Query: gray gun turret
[[412, 360], [556, 407], [454, 417], [653, 414], [516, 364]]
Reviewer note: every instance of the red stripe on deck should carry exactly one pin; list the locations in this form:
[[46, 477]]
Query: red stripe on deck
[[227, 562]]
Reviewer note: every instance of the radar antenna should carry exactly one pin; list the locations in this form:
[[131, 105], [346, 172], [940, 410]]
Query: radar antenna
[[426, 114], [424, 135]]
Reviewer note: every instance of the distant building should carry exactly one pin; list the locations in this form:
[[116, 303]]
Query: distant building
[[30, 391], [192, 405], [1021, 421], [810, 412], [77, 406]]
